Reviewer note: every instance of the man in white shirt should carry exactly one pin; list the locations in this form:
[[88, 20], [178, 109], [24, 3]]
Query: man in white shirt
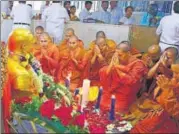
[[22, 15], [55, 16], [127, 19], [103, 15], [116, 13], [4, 8], [43, 7], [168, 30], [85, 13]]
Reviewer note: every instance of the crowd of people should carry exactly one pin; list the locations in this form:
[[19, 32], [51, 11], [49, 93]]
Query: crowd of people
[[146, 86]]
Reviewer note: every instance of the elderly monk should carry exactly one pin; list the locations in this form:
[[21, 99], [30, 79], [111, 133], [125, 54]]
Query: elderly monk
[[48, 54], [97, 58], [69, 33], [70, 64], [152, 56], [101, 34], [162, 67], [122, 78], [168, 97]]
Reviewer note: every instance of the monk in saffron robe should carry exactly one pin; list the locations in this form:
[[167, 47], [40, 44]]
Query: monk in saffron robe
[[69, 33], [39, 30], [122, 78], [168, 98], [97, 58], [101, 34], [152, 56], [70, 64], [48, 54]]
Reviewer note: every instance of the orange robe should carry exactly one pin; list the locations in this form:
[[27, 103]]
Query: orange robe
[[67, 65], [124, 87], [63, 45], [48, 65], [92, 70], [111, 44]]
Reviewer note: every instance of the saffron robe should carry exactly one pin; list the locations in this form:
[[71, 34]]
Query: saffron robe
[[48, 65], [124, 87], [67, 65]]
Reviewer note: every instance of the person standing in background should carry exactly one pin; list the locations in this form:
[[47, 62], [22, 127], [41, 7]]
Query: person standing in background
[[73, 16], [152, 17], [168, 30], [43, 7], [55, 16], [116, 13], [11, 3], [85, 13], [22, 15], [67, 5], [102, 15], [127, 19]]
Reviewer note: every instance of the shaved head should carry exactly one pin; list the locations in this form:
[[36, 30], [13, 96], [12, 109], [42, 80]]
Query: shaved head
[[154, 52], [69, 33], [124, 47], [100, 34], [101, 42], [73, 42], [171, 54]]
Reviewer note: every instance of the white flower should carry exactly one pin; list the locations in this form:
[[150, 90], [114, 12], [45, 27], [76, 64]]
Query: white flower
[[123, 122], [121, 129], [110, 127]]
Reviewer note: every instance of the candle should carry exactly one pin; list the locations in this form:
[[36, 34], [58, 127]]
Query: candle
[[112, 110], [99, 98], [85, 90], [76, 92]]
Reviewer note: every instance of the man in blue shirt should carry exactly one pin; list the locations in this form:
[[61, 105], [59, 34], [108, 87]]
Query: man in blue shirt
[[152, 17]]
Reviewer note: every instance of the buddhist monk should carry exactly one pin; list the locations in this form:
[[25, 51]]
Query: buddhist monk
[[162, 67], [70, 64], [133, 50], [122, 78], [69, 33], [97, 58], [152, 56], [167, 97], [101, 34], [48, 54]]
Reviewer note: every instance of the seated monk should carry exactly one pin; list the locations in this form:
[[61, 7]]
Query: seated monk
[[48, 54], [70, 63], [97, 58], [122, 78], [38, 32], [167, 95], [133, 50], [161, 67], [69, 33], [101, 34], [152, 56], [21, 80]]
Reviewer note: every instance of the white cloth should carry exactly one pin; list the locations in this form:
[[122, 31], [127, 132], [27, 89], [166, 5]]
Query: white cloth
[[168, 30], [102, 15], [42, 8], [84, 14], [22, 13], [127, 21], [116, 15], [55, 16]]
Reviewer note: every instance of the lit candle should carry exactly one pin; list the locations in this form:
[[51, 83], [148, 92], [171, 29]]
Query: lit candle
[[85, 90], [99, 98], [112, 110]]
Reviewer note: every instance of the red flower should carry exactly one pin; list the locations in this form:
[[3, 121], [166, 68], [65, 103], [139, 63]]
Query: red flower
[[47, 109], [80, 120], [64, 115], [96, 129], [23, 100]]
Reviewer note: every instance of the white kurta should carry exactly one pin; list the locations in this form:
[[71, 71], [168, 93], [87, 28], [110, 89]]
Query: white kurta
[[55, 16], [22, 13], [169, 32]]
